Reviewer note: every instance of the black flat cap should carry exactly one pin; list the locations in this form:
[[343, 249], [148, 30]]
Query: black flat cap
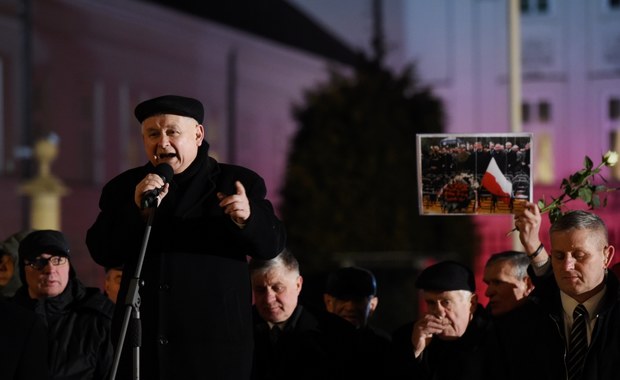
[[350, 283], [43, 241], [172, 105], [445, 276]]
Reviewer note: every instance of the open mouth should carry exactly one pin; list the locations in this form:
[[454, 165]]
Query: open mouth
[[163, 156]]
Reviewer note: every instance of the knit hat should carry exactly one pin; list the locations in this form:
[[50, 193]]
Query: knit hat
[[43, 241]]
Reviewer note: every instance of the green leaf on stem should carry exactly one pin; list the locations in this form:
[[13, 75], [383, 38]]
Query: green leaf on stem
[[554, 214], [585, 194], [587, 162]]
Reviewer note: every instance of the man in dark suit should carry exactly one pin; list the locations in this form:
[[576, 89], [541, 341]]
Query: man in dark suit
[[573, 290], [196, 300], [291, 341]]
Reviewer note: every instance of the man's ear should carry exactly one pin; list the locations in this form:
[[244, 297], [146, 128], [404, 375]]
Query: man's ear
[[372, 305], [328, 300], [474, 302], [298, 283], [609, 255], [529, 285], [200, 134]]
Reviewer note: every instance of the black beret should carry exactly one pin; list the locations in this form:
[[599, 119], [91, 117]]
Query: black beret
[[445, 276], [351, 282], [172, 105], [43, 241]]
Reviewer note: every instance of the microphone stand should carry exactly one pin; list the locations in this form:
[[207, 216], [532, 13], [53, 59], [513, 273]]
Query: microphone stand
[[132, 309]]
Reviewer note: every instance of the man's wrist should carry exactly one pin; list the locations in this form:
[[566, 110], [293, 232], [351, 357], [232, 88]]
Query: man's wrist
[[537, 252]]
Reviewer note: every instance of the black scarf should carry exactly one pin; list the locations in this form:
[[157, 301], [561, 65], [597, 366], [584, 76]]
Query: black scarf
[[189, 188]]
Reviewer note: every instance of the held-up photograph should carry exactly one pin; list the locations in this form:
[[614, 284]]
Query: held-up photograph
[[473, 174]]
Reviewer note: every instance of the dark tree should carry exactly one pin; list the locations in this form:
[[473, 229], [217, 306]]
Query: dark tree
[[351, 178], [351, 190]]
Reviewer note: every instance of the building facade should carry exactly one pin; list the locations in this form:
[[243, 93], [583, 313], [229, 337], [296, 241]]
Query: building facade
[[570, 58], [92, 62]]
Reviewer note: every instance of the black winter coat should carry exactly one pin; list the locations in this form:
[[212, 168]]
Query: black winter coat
[[23, 344], [78, 325], [465, 358], [532, 338], [196, 299], [313, 345]]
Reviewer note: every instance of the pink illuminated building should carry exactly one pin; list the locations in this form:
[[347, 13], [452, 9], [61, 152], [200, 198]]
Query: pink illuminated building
[[92, 61]]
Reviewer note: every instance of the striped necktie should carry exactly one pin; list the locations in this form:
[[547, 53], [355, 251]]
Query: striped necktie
[[578, 344]]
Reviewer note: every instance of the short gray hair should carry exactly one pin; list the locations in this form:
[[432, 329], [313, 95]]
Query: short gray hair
[[284, 259], [580, 220], [518, 260]]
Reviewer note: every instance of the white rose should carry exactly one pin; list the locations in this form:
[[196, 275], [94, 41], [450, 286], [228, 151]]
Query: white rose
[[610, 158]]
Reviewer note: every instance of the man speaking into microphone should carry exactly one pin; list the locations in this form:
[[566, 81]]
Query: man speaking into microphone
[[195, 305]]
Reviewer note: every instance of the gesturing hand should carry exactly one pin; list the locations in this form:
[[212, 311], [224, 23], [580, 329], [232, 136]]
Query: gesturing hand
[[236, 205]]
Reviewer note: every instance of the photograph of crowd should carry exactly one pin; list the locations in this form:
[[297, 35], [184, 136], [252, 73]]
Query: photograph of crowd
[[474, 173]]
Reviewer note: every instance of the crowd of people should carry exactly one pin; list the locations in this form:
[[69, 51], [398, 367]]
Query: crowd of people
[[474, 158], [215, 293]]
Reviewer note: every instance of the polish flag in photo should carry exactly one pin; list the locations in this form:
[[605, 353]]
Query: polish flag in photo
[[495, 182]]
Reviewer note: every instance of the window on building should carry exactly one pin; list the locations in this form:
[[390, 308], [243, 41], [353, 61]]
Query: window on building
[[536, 7], [536, 112], [525, 6], [614, 108], [525, 112], [542, 6], [544, 111]]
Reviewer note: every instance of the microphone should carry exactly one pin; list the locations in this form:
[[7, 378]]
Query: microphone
[[149, 198]]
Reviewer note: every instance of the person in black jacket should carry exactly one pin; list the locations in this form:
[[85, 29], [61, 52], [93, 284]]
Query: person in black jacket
[[23, 344], [574, 273], [196, 301], [77, 319], [452, 339], [292, 341], [508, 283], [351, 293]]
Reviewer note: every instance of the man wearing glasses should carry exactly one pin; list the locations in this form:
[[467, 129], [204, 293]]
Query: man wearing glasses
[[78, 318]]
